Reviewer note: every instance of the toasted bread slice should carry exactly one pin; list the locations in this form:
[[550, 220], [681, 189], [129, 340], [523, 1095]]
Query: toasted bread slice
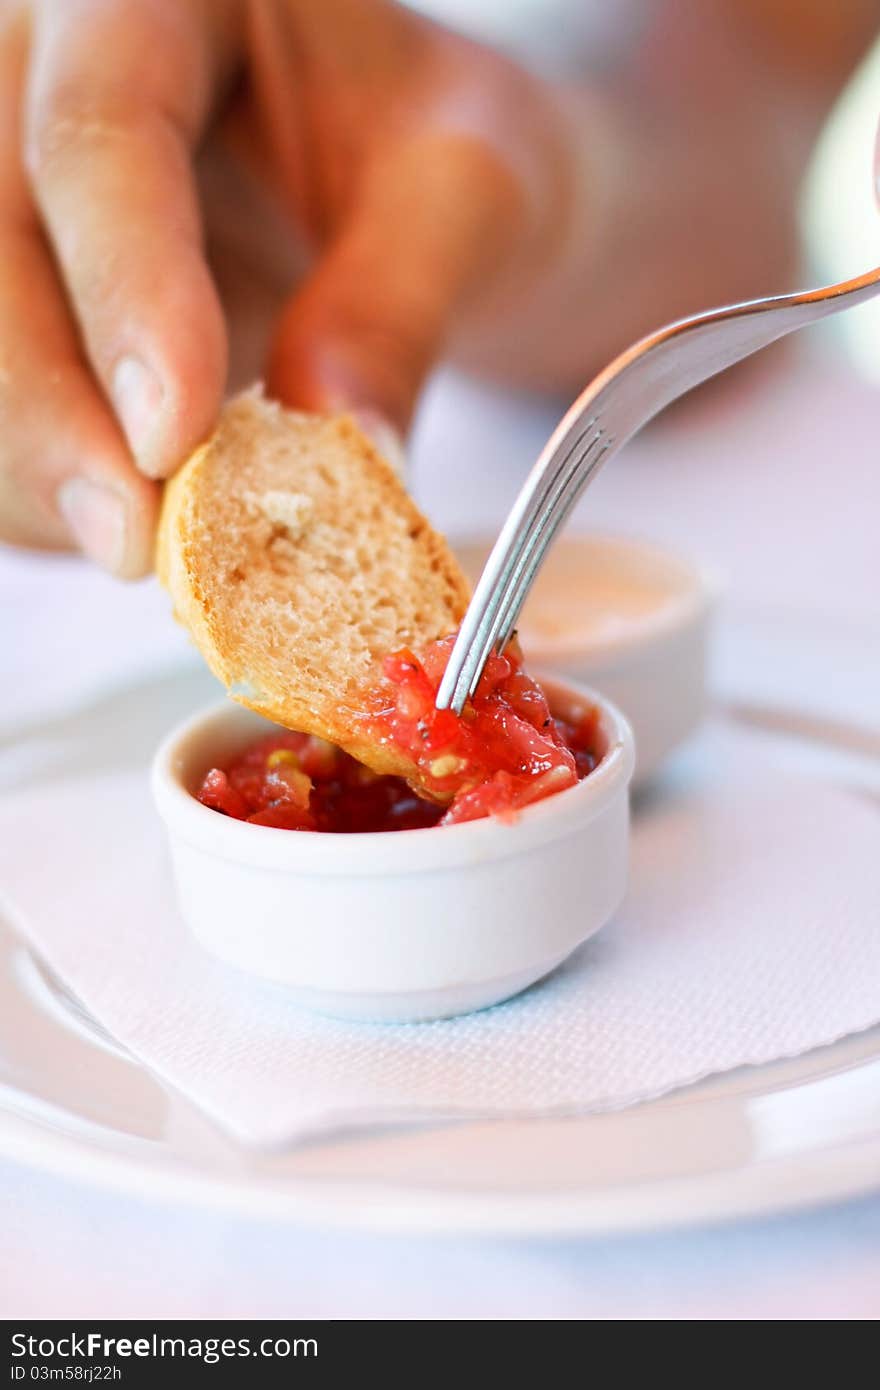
[[297, 561]]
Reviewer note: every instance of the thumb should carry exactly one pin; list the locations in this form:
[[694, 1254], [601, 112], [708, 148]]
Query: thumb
[[417, 247]]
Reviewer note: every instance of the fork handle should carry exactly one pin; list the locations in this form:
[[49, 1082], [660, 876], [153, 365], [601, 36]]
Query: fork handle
[[637, 385], [697, 348]]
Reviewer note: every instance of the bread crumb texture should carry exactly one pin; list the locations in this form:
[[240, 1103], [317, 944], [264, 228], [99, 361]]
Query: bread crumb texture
[[288, 510]]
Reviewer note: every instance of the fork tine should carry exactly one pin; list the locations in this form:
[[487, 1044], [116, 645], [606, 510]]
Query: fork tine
[[521, 571], [513, 592], [518, 564], [470, 651], [575, 477], [549, 530]]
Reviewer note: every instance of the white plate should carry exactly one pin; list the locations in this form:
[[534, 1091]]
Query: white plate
[[757, 1140]]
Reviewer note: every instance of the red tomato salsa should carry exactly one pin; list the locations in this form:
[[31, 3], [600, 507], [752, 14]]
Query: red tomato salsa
[[504, 751], [299, 782]]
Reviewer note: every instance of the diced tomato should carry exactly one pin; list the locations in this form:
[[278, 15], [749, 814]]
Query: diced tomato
[[505, 751], [217, 793], [283, 816], [296, 782]]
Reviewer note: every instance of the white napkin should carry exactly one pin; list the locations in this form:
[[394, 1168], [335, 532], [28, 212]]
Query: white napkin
[[750, 933]]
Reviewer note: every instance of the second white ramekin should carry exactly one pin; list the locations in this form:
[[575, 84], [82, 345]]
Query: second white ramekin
[[651, 659]]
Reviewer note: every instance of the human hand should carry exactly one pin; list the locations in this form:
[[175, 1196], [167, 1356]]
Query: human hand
[[184, 181]]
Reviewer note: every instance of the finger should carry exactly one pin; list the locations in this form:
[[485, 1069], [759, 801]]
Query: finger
[[118, 94], [65, 471], [367, 325]]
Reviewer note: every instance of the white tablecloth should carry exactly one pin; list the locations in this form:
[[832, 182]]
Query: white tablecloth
[[776, 482]]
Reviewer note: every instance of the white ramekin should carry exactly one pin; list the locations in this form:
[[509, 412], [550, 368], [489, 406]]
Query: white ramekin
[[653, 665], [401, 926]]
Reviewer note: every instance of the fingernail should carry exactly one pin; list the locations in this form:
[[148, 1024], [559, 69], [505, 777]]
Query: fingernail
[[138, 397], [387, 439], [96, 517]]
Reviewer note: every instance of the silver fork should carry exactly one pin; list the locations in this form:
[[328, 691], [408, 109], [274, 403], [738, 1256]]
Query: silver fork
[[614, 407]]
